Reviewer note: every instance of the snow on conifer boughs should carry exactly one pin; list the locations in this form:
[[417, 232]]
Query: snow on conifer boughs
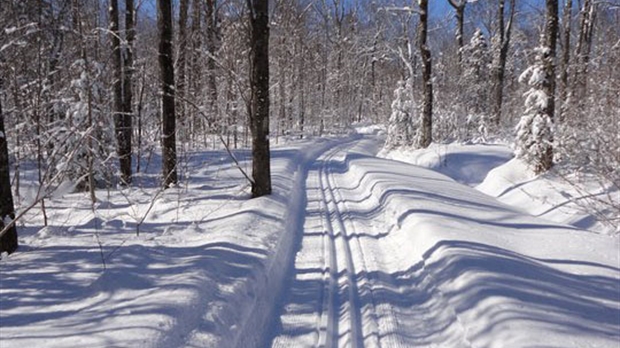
[[534, 137], [400, 127], [476, 62], [85, 132]]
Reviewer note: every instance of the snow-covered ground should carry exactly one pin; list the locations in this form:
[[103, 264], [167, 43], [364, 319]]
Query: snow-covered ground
[[351, 250], [578, 200]]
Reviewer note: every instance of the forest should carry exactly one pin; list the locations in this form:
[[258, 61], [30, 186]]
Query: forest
[[90, 89], [309, 173]]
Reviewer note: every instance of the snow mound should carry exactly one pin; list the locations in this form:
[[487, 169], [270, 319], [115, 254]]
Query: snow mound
[[467, 164]]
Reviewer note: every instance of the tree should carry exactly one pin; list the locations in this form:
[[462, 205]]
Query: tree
[[400, 124], [128, 69], [459, 13], [474, 83], [122, 87], [259, 118], [500, 43], [211, 19], [166, 67], [534, 131], [565, 63], [8, 239], [425, 132], [582, 55]]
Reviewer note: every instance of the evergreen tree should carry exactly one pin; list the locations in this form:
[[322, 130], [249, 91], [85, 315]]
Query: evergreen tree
[[534, 132], [534, 140], [475, 79], [84, 142], [400, 124]]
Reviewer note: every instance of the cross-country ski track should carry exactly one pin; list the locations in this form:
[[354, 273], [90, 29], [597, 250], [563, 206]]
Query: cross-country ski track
[[350, 250], [362, 280]]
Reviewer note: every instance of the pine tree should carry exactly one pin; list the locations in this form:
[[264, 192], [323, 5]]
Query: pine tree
[[534, 132], [476, 61], [534, 140], [400, 124]]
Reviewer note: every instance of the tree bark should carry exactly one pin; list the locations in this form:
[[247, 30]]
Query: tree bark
[[126, 149], [548, 85], [425, 132], [261, 171], [181, 65], [584, 44], [8, 241], [166, 66], [498, 67], [120, 118], [212, 48], [565, 63], [459, 9]]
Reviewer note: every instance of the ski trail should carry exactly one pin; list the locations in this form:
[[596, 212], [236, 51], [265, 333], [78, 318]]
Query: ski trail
[[350, 288], [366, 319], [349, 324]]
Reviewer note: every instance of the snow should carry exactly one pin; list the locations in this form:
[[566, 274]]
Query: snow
[[349, 250], [551, 196]]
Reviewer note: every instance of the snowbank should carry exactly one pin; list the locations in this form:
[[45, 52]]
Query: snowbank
[[467, 271], [205, 270]]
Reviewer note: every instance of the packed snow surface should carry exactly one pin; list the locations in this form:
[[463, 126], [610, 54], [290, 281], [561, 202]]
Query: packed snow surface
[[350, 250]]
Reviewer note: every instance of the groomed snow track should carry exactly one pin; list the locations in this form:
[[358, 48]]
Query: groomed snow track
[[344, 287]]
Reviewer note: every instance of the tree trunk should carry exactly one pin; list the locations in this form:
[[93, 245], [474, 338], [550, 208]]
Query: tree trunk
[[8, 241], [565, 64], [181, 65], [498, 67], [122, 101], [166, 66], [261, 171], [584, 44], [194, 80], [211, 47], [459, 9], [548, 85], [126, 149], [301, 92], [425, 136], [117, 87]]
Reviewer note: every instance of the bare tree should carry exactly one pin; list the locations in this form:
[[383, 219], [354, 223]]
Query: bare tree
[[211, 19], [500, 44], [425, 133], [259, 118], [582, 55], [459, 10], [183, 39], [166, 67], [121, 62], [550, 43], [128, 69], [565, 62], [8, 240]]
